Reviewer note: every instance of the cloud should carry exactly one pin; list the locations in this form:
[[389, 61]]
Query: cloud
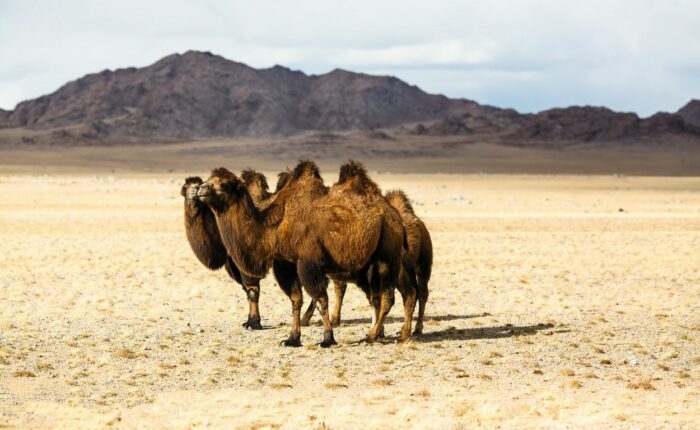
[[630, 55]]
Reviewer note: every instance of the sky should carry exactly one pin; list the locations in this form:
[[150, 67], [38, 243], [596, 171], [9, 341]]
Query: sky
[[630, 55]]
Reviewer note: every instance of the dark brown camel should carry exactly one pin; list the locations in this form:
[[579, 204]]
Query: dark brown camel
[[419, 258], [306, 233], [205, 241]]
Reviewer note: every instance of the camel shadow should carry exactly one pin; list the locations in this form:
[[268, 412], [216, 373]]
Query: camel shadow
[[475, 333], [399, 319]]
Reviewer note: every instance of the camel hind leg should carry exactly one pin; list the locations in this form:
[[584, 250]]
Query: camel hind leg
[[407, 286], [314, 280], [422, 300], [385, 294], [286, 276], [339, 287], [306, 319]]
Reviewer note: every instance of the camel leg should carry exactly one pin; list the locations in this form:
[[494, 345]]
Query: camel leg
[[253, 294], [251, 286], [286, 276], [422, 300], [340, 288], [315, 283], [386, 302], [407, 286], [322, 305], [306, 319], [376, 303]]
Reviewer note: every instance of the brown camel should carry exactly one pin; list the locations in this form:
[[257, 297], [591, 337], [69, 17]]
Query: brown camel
[[419, 257], [305, 233], [420, 248], [205, 240]]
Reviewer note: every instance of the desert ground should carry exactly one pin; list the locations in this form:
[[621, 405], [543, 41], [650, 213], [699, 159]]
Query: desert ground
[[556, 301]]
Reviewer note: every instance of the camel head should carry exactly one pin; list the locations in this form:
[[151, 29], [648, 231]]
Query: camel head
[[190, 187], [221, 189]]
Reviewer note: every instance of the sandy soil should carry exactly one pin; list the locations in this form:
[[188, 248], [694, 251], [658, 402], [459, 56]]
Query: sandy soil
[[556, 301]]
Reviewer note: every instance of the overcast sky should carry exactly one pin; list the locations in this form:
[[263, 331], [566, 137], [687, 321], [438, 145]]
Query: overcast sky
[[630, 55]]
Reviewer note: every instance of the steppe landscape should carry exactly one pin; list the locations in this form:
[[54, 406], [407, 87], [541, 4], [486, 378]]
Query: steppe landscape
[[565, 290], [556, 301]]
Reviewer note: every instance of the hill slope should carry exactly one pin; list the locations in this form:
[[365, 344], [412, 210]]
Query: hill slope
[[198, 94]]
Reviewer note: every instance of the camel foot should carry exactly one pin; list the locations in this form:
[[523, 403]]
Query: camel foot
[[328, 340], [293, 341], [403, 338], [253, 325], [370, 339]]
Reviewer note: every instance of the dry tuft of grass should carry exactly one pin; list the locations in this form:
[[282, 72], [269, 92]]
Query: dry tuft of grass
[[683, 374], [126, 353], [383, 382], [335, 385], [567, 372], [605, 362], [575, 384], [422, 393], [44, 366], [279, 385], [663, 367], [642, 384], [23, 374]]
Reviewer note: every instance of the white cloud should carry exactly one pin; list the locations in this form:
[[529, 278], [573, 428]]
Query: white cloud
[[531, 55]]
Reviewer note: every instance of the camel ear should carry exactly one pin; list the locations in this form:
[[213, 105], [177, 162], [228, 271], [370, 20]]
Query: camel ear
[[183, 191]]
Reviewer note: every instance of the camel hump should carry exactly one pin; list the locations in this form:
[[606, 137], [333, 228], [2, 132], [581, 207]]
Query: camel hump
[[222, 172], [400, 201], [306, 168], [283, 179], [250, 176], [355, 172]]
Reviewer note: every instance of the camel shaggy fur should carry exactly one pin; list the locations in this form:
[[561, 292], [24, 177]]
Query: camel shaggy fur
[[205, 240], [307, 232]]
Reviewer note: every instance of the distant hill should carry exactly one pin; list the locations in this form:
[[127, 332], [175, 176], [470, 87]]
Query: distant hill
[[198, 94], [691, 113]]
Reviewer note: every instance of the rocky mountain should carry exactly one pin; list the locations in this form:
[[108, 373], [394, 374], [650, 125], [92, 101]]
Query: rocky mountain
[[575, 124], [198, 94], [691, 113]]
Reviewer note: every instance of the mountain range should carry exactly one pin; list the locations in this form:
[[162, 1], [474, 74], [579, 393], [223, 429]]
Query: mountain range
[[201, 95]]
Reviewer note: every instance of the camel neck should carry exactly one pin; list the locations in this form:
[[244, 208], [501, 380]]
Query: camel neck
[[248, 240]]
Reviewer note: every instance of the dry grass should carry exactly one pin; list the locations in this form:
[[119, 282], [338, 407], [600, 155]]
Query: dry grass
[[121, 321]]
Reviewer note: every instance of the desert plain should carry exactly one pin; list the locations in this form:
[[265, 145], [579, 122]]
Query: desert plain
[[556, 301]]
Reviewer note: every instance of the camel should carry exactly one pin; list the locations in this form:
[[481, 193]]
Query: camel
[[407, 286], [308, 232], [419, 256], [205, 241], [420, 249]]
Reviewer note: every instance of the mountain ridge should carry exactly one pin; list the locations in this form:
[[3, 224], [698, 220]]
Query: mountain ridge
[[199, 94]]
